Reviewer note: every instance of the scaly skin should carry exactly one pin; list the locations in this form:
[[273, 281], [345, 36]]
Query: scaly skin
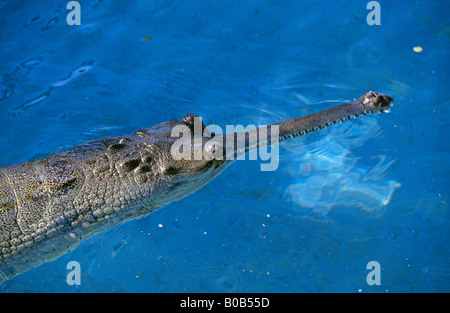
[[48, 206]]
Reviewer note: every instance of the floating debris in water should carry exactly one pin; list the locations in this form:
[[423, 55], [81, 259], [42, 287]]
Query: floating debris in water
[[417, 49], [147, 38]]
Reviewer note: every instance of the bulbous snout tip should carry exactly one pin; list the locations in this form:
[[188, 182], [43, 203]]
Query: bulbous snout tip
[[385, 100], [377, 101]]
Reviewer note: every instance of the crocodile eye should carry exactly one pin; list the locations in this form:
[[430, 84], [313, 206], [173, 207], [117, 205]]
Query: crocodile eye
[[189, 119], [214, 150]]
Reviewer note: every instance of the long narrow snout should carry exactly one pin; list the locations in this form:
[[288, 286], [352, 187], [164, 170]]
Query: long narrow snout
[[238, 144]]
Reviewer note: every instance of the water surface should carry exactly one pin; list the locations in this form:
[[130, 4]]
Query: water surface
[[374, 189]]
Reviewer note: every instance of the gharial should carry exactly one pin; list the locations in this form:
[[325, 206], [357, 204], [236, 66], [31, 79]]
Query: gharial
[[48, 206]]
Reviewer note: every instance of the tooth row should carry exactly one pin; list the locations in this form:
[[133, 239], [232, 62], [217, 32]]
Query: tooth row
[[327, 124], [374, 111]]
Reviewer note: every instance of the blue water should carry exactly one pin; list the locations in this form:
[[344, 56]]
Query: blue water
[[373, 189]]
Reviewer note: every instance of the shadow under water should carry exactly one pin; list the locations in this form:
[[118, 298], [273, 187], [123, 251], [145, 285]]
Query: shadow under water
[[327, 176]]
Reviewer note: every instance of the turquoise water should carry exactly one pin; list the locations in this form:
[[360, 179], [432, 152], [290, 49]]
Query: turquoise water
[[373, 189]]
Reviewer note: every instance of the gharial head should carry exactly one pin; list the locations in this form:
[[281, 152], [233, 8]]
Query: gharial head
[[188, 156], [375, 102]]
